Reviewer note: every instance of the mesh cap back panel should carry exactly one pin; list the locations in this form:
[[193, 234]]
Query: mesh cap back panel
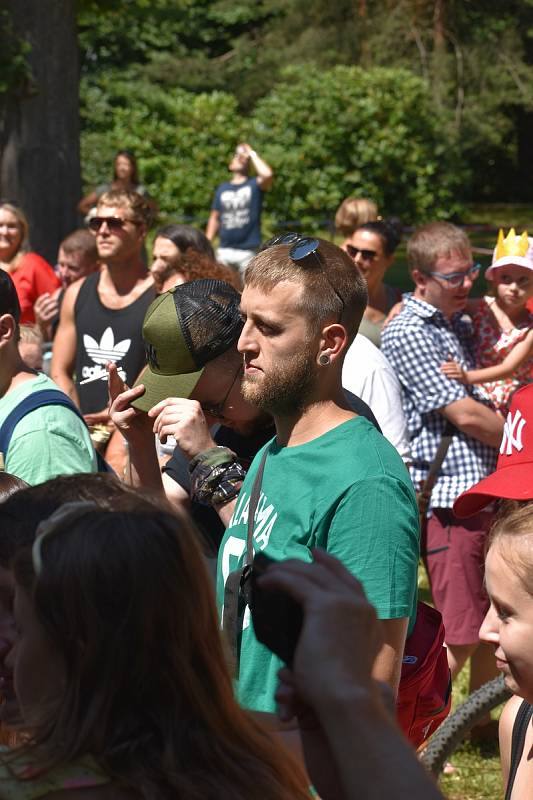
[[210, 318]]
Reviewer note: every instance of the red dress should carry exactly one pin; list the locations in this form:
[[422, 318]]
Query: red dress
[[33, 277], [492, 346]]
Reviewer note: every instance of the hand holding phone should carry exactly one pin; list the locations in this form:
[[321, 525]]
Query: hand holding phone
[[277, 618]]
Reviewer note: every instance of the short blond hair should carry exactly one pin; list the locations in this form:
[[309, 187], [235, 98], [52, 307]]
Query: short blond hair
[[515, 522], [434, 240], [133, 201], [353, 212], [319, 301], [31, 334]]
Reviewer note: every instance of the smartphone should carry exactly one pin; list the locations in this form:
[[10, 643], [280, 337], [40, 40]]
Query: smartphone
[[276, 617]]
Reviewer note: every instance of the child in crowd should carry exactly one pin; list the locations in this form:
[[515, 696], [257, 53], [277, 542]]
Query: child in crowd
[[508, 626], [132, 697], [503, 325]]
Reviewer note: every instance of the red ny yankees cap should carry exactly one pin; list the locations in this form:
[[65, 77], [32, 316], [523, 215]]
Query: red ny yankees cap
[[513, 478]]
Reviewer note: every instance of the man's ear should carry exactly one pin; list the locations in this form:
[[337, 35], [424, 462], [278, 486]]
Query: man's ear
[[333, 343], [8, 328]]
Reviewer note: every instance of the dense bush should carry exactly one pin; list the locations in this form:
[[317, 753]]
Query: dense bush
[[347, 131], [327, 134]]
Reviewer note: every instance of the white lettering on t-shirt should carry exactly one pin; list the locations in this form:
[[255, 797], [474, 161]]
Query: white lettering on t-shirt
[[265, 517], [236, 207]]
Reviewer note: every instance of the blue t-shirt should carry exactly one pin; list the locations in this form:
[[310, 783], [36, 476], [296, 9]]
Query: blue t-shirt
[[239, 208]]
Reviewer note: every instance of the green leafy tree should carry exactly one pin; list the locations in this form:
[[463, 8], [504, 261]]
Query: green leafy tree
[[349, 131]]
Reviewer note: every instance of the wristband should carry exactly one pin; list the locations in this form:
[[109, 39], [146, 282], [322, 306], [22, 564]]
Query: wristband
[[216, 476], [212, 457]]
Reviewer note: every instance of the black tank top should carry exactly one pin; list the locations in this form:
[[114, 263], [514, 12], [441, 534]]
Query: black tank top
[[521, 723], [105, 334]]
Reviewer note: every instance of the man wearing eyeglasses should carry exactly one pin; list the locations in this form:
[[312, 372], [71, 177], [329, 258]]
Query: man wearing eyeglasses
[[430, 329]]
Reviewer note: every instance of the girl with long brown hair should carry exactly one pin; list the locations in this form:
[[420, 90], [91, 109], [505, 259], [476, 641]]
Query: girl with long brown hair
[[120, 671]]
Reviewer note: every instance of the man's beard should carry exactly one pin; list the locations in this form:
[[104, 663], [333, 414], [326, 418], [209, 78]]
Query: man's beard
[[285, 390]]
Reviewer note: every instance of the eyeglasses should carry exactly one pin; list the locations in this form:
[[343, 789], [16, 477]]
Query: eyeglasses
[[456, 279], [113, 223], [366, 255], [302, 248], [217, 411]]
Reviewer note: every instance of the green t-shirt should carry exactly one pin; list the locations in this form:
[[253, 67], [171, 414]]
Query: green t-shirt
[[347, 491], [47, 442]]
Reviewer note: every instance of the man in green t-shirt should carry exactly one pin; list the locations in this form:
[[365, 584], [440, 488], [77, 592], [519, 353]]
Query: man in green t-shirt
[[50, 440], [330, 479]]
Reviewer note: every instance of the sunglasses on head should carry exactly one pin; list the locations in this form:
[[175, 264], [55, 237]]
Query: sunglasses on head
[[304, 247], [113, 223], [366, 255]]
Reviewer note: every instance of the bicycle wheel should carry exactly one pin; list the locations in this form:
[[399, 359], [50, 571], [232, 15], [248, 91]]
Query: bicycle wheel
[[453, 730]]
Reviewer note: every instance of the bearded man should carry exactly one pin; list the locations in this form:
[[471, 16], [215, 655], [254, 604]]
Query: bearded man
[[330, 480]]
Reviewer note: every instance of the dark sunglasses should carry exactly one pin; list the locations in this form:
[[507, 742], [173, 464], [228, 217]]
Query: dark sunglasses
[[304, 247], [367, 255], [113, 223]]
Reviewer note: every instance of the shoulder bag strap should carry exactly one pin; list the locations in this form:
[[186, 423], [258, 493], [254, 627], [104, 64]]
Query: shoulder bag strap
[[254, 499], [523, 717], [235, 589], [436, 464]]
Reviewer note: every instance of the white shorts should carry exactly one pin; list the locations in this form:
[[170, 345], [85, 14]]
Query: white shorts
[[235, 258]]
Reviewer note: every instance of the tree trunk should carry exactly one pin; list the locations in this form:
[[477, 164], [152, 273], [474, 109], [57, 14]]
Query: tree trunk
[[39, 156]]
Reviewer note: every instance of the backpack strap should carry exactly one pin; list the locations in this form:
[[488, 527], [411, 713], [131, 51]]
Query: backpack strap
[[45, 397], [522, 719]]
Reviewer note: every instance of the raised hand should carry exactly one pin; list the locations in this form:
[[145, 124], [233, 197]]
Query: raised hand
[[185, 421], [127, 419]]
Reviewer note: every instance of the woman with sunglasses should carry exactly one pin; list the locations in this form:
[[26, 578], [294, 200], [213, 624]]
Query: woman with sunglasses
[[31, 274], [372, 247]]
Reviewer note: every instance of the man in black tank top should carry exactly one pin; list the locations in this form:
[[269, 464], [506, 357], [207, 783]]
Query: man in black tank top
[[101, 315]]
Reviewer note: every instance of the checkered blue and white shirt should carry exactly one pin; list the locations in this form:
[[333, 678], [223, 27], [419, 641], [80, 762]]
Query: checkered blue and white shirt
[[416, 343]]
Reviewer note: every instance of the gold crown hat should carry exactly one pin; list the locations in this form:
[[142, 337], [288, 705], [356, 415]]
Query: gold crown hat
[[511, 250]]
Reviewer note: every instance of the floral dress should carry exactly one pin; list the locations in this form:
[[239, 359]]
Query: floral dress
[[492, 345]]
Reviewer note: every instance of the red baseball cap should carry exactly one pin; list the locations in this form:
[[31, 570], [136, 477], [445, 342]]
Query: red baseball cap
[[513, 478]]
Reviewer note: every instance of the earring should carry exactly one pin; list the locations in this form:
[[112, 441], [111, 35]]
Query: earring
[[323, 360]]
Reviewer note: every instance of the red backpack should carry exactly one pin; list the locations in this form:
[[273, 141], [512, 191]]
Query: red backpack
[[425, 692]]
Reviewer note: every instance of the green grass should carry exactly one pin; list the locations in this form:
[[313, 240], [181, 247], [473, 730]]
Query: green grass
[[477, 775]]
